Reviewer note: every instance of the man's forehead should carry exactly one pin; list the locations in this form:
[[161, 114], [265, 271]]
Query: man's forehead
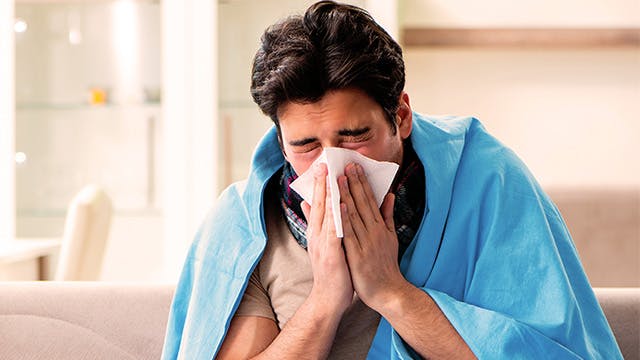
[[342, 100], [338, 112], [339, 127]]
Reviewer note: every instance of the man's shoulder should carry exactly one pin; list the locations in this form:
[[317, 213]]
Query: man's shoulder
[[230, 199], [484, 162], [443, 127], [478, 148], [228, 215]]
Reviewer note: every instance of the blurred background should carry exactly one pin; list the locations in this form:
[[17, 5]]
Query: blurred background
[[139, 112]]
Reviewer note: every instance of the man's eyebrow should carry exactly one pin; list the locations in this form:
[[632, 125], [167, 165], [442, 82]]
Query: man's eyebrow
[[354, 132], [302, 142], [342, 132]]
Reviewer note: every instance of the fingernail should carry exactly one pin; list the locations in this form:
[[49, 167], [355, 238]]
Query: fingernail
[[342, 181], [351, 169], [359, 169]]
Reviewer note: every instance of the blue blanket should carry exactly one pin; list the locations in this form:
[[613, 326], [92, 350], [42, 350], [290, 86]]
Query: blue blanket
[[492, 251]]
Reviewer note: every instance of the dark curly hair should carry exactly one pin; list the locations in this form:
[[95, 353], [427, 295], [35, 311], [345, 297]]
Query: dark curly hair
[[333, 46]]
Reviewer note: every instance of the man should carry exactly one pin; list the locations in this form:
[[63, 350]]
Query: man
[[466, 257]]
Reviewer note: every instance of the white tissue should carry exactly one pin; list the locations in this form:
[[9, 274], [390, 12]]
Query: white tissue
[[380, 175]]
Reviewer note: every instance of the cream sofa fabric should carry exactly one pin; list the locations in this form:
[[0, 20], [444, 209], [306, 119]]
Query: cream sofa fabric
[[605, 226], [621, 306], [82, 320], [90, 320]]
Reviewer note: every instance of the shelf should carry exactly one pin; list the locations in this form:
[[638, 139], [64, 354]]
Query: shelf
[[60, 213], [521, 37], [65, 107]]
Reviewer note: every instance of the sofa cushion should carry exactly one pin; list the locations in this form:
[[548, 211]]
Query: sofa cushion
[[77, 320], [27, 335]]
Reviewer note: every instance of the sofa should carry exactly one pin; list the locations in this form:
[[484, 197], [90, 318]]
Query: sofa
[[97, 320], [605, 227]]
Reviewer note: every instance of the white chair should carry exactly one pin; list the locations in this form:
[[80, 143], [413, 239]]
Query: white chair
[[85, 236]]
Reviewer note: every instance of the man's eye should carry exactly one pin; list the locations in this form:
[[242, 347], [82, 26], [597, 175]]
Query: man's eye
[[307, 148], [356, 139]]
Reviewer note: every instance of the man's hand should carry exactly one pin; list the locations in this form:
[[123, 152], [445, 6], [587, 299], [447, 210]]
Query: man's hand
[[371, 245], [332, 286], [370, 240], [310, 333]]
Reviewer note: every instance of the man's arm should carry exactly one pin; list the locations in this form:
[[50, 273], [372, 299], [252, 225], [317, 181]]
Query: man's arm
[[311, 330], [247, 337], [309, 333], [372, 251], [422, 325]]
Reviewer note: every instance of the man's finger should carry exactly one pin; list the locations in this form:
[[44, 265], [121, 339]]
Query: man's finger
[[351, 212], [319, 196], [350, 240], [329, 224], [368, 191], [357, 191]]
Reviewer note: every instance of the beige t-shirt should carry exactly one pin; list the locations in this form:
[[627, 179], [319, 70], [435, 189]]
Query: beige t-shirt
[[282, 281]]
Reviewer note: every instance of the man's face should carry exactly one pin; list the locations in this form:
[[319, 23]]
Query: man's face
[[346, 118]]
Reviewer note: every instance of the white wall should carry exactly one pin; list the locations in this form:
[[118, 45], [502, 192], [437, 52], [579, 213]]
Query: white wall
[[523, 13], [571, 114]]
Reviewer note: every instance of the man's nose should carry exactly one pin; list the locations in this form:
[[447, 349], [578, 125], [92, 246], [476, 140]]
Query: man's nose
[[330, 143]]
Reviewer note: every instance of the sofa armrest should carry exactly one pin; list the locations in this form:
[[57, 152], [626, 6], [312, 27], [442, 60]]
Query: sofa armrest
[[621, 306]]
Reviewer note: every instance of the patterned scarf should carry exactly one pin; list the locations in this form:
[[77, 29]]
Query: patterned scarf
[[408, 186]]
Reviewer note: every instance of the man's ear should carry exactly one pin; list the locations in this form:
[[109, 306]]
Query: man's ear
[[404, 116]]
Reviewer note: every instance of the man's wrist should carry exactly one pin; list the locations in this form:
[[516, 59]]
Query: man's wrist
[[394, 302], [323, 308]]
